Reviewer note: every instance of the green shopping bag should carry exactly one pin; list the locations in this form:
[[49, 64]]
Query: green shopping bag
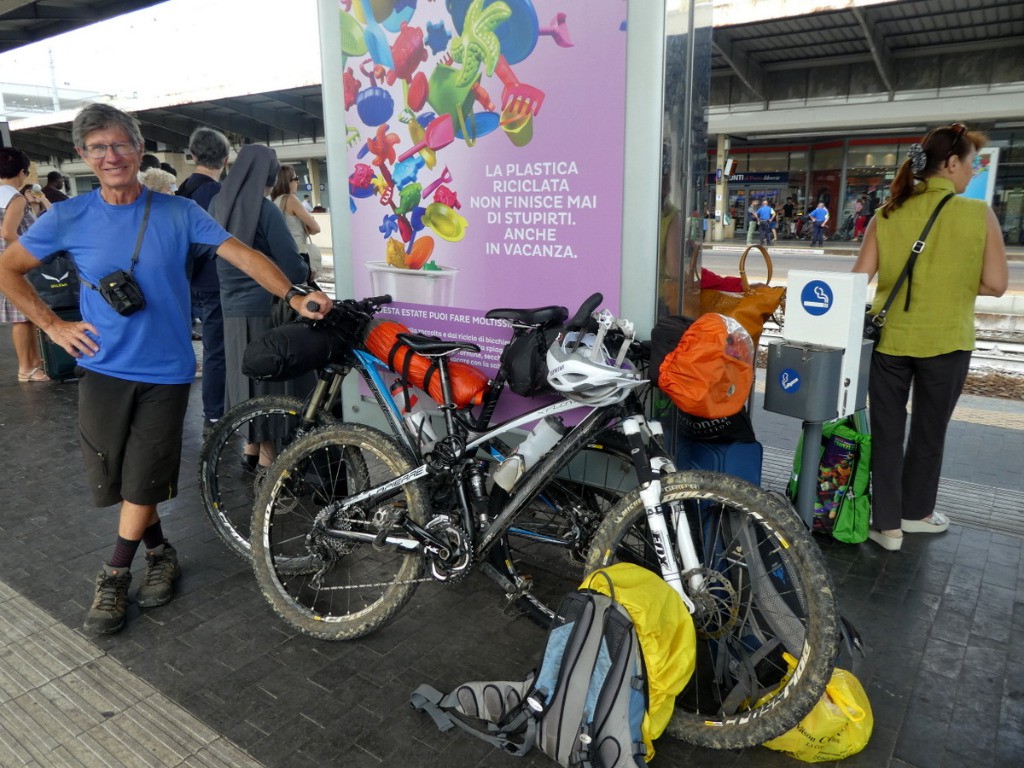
[[842, 505]]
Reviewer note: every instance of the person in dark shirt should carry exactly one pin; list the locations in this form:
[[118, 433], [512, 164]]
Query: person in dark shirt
[[210, 150], [54, 186]]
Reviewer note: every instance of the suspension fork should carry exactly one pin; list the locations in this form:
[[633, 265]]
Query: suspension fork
[[650, 466]]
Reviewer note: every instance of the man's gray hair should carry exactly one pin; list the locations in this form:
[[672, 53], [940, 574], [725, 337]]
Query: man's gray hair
[[98, 117], [209, 148]]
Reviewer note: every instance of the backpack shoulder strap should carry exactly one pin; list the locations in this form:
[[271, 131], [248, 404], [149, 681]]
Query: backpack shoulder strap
[[440, 707]]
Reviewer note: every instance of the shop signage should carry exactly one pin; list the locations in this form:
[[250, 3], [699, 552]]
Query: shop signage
[[755, 178]]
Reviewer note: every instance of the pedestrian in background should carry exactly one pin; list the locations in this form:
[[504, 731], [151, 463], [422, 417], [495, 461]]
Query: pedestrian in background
[[765, 217], [928, 335], [15, 219], [243, 209], [54, 187], [819, 218], [209, 150]]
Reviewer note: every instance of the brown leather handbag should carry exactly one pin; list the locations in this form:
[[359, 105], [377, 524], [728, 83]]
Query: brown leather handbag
[[754, 305]]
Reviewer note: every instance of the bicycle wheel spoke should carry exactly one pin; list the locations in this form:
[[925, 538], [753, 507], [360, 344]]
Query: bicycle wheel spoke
[[319, 580], [761, 590], [545, 550], [230, 476]]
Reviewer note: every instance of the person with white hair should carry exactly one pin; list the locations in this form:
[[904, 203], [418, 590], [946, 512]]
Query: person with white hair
[[134, 346]]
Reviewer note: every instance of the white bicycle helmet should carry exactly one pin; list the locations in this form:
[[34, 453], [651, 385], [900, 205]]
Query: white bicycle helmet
[[574, 373]]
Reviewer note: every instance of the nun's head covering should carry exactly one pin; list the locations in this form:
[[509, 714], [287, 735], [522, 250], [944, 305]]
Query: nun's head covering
[[237, 206]]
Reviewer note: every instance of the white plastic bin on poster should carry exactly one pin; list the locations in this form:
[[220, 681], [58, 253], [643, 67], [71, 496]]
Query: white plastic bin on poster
[[415, 286]]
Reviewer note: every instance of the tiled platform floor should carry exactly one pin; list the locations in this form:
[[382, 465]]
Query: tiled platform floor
[[214, 675]]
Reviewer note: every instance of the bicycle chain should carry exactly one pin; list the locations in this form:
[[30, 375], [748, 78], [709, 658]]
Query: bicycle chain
[[353, 521]]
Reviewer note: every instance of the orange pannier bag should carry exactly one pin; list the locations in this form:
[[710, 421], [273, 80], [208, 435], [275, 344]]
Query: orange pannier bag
[[710, 372], [469, 383]]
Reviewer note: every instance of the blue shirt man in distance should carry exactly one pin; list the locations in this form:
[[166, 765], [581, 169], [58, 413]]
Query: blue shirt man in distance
[[765, 216], [819, 218]]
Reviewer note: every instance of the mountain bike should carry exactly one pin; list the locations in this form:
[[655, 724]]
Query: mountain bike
[[340, 545], [552, 536]]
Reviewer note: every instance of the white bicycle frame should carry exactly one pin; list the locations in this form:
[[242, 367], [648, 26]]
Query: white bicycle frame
[[650, 494]]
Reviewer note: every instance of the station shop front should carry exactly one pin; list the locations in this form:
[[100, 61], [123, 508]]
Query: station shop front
[[839, 172]]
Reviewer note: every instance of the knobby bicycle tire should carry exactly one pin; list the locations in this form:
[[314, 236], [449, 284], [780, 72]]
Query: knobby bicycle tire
[[545, 550], [744, 537], [326, 587], [228, 485]]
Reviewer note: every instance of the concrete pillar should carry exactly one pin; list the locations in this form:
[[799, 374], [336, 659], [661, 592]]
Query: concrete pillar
[[314, 181], [721, 201]]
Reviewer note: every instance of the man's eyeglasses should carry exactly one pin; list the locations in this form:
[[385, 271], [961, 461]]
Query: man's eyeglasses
[[960, 129], [99, 151]]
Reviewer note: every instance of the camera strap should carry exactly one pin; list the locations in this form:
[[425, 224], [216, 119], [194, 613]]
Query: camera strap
[[138, 241]]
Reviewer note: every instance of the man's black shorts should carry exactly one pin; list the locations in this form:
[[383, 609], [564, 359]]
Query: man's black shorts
[[131, 438]]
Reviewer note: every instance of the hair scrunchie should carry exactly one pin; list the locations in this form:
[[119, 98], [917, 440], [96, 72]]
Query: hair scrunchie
[[918, 158]]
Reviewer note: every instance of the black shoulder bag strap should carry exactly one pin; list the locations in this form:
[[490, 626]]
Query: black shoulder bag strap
[[138, 241], [908, 268]]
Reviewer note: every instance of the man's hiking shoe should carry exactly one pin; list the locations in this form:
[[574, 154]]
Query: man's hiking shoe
[[106, 615], [162, 570]]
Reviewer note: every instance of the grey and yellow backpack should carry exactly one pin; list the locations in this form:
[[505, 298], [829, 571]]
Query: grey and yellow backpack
[[618, 652]]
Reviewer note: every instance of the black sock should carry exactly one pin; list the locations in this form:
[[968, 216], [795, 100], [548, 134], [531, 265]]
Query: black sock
[[124, 553], [153, 536]]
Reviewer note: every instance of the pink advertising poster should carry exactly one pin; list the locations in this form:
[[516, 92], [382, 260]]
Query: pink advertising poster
[[486, 154]]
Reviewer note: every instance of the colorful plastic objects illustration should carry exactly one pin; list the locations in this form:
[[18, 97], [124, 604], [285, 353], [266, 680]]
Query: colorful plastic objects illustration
[[351, 86], [439, 134], [419, 252], [445, 221], [524, 98], [382, 146], [408, 53], [408, 198], [406, 171], [517, 34], [446, 196], [437, 37], [352, 42], [418, 91], [476, 125], [417, 134], [388, 225], [478, 45], [394, 253], [374, 104], [360, 181], [402, 13], [444, 178], [558, 31], [375, 39]]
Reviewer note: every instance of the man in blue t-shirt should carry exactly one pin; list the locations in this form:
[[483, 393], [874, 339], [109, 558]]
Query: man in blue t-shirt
[[765, 217], [819, 218], [137, 365], [210, 150]]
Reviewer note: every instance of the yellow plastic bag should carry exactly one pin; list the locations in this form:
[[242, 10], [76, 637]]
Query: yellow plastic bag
[[839, 725]]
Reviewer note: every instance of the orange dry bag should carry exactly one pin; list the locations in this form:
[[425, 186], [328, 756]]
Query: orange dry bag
[[469, 384], [710, 373]]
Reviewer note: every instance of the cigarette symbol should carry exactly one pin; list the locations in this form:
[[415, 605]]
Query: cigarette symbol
[[819, 293]]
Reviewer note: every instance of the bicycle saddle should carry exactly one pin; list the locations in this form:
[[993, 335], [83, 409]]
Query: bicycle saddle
[[538, 317], [431, 347]]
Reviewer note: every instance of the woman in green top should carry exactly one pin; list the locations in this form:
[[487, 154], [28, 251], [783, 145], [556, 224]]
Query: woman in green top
[[928, 337]]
